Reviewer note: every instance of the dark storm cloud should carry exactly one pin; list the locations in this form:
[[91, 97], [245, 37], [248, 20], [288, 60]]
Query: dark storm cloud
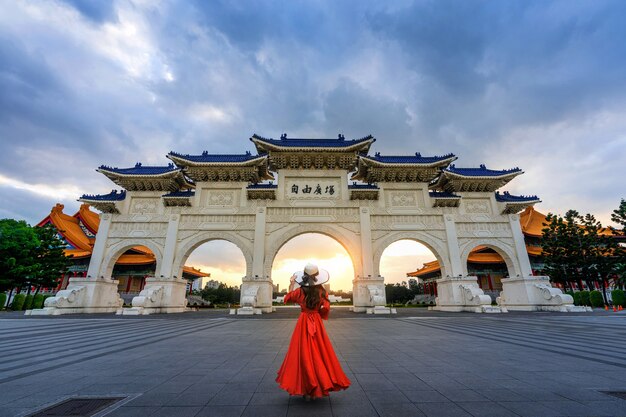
[[96, 10], [508, 83]]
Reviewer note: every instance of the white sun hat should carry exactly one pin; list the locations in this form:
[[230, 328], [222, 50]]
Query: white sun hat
[[320, 276]]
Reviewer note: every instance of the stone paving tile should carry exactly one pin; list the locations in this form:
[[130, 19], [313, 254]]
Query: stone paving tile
[[266, 411], [530, 409], [501, 395], [385, 397], [486, 409], [310, 409], [353, 410], [425, 396], [133, 411], [462, 395], [571, 408], [177, 412], [277, 398], [231, 398], [442, 410], [221, 411], [398, 410], [612, 408]]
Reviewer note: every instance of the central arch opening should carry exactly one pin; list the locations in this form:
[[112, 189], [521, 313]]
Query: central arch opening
[[318, 248]]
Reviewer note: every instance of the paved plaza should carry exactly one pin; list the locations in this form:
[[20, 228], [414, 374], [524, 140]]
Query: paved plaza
[[417, 363]]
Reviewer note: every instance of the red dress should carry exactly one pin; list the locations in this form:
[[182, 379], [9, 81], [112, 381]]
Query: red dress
[[310, 366]]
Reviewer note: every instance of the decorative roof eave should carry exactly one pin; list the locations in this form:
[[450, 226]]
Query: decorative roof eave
[[371, 169], [264, 144], [181, 161], [171, 180], [454, 182], [364, 194], [178, 198], [443, 199], [513, 203]]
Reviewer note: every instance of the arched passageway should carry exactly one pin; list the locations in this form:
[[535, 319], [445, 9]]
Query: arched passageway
[[313, 247]]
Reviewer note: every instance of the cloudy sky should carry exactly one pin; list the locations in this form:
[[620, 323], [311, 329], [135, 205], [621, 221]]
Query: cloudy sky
[[535, 84]]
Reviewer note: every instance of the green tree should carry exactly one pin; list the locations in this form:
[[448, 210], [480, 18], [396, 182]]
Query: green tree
[[619, 217], [18, 244], [52, 262]]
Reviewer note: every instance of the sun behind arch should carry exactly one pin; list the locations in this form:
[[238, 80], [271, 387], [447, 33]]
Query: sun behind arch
[[323, 250]]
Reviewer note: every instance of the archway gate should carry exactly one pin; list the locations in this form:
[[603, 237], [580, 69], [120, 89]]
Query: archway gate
[[294, 186]]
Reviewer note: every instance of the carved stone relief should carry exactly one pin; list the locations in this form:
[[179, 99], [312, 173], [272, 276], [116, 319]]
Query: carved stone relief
[[477, 206], [403, 199], [483, 229], [145, 205]]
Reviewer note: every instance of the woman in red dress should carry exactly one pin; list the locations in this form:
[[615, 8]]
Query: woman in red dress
[[310, 368]]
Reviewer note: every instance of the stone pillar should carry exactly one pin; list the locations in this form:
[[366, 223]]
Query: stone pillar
[[93, 294], [99, 248], [368, 292], [453, 247], [164, 293], [256, 291]]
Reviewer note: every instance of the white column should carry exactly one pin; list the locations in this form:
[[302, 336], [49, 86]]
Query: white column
[[99, 248], [520, 246], [453, 246], [258, 257], [366, 243], [169, 252]]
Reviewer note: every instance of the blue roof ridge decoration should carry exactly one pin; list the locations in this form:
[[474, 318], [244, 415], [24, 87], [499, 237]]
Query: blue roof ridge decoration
[[355, 186], [442, 194], [114, 195], [262, 186], [340, 142], [409, 159], [206, 157], [482, 171], [177, 194], [140, 169], [506, 197]]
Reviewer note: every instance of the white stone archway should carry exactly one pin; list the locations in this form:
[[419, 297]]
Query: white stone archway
[[294, 186]]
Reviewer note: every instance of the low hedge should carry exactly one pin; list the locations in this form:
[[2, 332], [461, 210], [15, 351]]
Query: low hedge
[[619, 298], [584, 298], [596, 299], [28, 302], [38, 301], [575, 296], [3, 300], [18, 302]]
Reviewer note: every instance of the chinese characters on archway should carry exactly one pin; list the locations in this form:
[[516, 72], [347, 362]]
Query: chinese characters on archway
[[315, 189]]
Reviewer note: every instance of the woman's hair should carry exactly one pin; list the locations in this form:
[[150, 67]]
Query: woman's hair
[[313, 295]]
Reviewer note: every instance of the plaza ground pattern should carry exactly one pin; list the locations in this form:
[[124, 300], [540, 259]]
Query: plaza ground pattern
[[416, 363]]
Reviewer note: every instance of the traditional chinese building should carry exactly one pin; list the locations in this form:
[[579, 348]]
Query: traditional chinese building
[[294, 186], [79, 233]]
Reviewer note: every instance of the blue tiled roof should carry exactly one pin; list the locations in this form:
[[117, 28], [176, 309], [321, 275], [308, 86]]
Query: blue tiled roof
[[355, 186], [207, 157], [187, 193], [409, 159], [262, 186], [483, 171], [442, 194], [340, 142], [139, 169], [112, 196], [509, 198]]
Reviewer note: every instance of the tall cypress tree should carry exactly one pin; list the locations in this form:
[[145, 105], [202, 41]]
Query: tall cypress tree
[[51, 258]]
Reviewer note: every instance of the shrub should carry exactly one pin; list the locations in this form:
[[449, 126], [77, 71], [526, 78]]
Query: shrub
[[3, 300], [619, 298], [576, 296], [38, 301], [584, 298], [596, 298], [18, 302], [28, 302]]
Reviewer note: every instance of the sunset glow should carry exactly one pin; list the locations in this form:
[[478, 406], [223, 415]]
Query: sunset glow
[[226, 263], [326, 252]]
